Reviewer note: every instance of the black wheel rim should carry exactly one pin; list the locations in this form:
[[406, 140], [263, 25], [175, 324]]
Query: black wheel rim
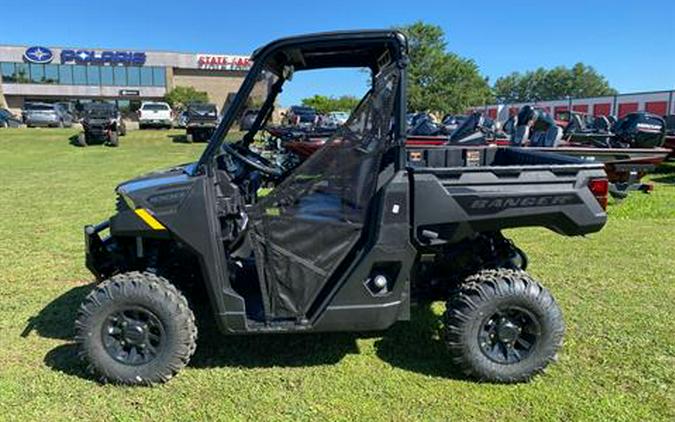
[[133, 336], [509, 335]]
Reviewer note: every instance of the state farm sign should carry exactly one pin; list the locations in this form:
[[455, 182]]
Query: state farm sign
[[215, 62]]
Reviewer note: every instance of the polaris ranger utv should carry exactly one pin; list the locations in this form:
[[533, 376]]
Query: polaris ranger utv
[[346, 241], [101, 122], [201, 122]]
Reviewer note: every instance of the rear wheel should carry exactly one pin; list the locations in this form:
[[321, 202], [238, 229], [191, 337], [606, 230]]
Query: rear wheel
[[114, 139], [189, 138], [135, 328], [82, 140], [4, 124], [503, 326]]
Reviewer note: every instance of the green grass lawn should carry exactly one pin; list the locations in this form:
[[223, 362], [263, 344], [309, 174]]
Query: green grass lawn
[[616, 288]]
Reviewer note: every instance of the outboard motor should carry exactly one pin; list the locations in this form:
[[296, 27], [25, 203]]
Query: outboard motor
[[575, 125], [510, 125], [545, 133], [470, 131], [640, 130], [525, 116], [601, 124], [423, 125]]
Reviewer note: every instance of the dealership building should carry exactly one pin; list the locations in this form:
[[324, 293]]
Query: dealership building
[[125, 77]]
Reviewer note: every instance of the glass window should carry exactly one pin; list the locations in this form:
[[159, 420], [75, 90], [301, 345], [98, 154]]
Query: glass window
[[8, 72], [37, 73], [123, 105], [21, 73], [51, 74], [159, 76], [106, 75], [146, 76], [79, 75], [120, 76], [65, 74], [93, 77], [133, 76]]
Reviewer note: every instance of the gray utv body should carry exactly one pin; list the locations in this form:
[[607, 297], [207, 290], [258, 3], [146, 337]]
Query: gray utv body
[[358, 208]]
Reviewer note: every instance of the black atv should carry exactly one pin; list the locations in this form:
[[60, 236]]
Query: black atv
[[346, 241], [101, 122], [201, 122]]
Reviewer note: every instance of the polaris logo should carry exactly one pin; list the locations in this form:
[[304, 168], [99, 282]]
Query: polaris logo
[[482, 205]]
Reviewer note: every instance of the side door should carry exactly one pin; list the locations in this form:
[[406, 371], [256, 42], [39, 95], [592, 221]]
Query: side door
[[304, 230]]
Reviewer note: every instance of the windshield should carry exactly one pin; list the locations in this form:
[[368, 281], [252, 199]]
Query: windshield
[[100, 110], [203, 109], [39, 107], [155, 107]]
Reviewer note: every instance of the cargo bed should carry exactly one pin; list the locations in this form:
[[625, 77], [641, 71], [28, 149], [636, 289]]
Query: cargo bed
[[460, 191]]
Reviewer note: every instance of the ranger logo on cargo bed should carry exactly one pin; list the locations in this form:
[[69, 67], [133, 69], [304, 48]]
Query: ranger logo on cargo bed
[[473, 204]]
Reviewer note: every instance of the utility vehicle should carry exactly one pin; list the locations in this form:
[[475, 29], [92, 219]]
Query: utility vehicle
[[201, 122], [346, 241], [101, 122]]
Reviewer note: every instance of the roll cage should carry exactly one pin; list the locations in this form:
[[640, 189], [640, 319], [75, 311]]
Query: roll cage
[[345, 49]]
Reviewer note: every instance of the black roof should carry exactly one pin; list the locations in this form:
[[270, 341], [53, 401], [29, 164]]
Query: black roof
[[333, 49]]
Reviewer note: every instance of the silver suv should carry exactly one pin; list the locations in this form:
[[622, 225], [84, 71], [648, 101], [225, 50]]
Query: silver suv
[[44, 114]]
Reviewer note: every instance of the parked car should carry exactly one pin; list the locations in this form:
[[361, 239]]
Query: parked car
[[301, 116], [335, 118], [202, 120], [7, 119], [247, 119], [49, 115], [155, 114], [101, 122]]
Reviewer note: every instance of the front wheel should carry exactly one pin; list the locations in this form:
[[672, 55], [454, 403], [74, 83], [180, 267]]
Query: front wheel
[[135, 328], [114, 139], [503, 326]]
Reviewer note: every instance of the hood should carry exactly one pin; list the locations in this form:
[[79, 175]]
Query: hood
[[155, 179]]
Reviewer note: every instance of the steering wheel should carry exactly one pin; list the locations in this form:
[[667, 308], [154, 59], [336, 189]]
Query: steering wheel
[[253, 160]]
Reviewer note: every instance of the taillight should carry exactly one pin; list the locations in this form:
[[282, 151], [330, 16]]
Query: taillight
[[600, 189]]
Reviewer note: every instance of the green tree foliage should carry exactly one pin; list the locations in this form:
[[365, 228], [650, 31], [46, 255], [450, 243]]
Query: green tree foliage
[[182, 95], [552, 84], [324, 104], [438, 80]]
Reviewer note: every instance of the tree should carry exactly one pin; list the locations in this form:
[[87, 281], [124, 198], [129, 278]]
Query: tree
[[438, 80], [182, 95], [552, 84], [323, 104]]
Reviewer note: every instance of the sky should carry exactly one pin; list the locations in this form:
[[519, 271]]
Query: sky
[[631, 43]]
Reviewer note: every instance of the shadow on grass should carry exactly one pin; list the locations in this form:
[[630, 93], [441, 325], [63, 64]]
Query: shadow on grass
[[417, 347], [56, 319], [73, 141], [182, 139], [178, 139], [412, 346]]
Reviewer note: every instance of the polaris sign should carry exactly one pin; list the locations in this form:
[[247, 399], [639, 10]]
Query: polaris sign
[[125, 58], [38, 55]]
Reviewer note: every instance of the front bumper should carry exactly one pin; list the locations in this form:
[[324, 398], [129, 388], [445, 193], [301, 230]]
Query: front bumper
[[155, 122], [97, 250], [42, 121]]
